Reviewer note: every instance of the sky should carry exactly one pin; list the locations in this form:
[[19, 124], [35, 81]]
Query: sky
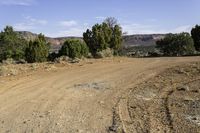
[[59, 18]]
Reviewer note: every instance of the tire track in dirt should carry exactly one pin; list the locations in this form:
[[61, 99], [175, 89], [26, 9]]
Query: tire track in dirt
[[168, 113], [151, 106]]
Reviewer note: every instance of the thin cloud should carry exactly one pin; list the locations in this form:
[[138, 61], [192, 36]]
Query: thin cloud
[[184, 28], [36, 21], [72, 29], [23, 27], [17, 2], [69, 23], [29, 24], [70, 32], [135, 28], [100, 18]]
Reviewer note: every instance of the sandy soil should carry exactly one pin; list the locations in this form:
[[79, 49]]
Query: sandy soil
[[166, 103], [83, 97]]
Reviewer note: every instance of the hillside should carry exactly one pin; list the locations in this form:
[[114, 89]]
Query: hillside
[[55, 42], [142, 39], [128, 40]]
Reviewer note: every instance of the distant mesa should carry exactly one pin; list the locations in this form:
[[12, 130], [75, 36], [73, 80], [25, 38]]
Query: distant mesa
[[142, 39], [128, 40]]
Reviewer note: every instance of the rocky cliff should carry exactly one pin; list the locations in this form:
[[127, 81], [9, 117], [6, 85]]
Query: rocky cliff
[[128, 40]]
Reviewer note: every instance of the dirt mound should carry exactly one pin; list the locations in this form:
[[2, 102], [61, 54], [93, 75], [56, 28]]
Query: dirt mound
[[169, 102]]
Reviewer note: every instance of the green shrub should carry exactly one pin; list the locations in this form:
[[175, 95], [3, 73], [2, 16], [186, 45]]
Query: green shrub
[[196, 37], [103, 36], [176, 45], [37, 50], [74, 48], [53, 56], [12, 45]]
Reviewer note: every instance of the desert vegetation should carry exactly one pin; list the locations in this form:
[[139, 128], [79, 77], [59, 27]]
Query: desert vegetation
[[176, 45], [74, 48], [196, 37], [179, 44], [104, 36], [37, 50], [12, 45], [102, 40]]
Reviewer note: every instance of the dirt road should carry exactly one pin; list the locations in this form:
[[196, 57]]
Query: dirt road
[[76, 99]]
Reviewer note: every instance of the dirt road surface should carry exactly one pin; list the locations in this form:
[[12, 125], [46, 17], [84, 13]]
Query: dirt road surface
[[78, 99]]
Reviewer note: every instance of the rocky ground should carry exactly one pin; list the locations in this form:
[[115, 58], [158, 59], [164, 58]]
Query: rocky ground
[[166, 103]]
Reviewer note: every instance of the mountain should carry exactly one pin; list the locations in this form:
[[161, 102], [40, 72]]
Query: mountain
[[142, 39], [56, 43], [128, 40]]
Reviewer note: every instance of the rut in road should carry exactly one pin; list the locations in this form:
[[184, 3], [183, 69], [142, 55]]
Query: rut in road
[[166, 103]]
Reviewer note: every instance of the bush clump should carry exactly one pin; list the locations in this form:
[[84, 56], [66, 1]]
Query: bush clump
[[196, 37], [74, 48], [12, 45], [38, 50], [103, 36], [105, 53], [176, 45]]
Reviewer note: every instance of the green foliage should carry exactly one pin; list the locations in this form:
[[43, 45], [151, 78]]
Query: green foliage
[[12, 45], [98, 38], [37, 50], [196, 37], [53, 56], [74, 48], [116, 39], [176, 45], [103, 36], [140, 51]]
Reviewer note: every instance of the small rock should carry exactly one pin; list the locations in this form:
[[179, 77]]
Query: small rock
[[47, 113], [133, 107], [76, 60], [195, 91], [113, 128], [183, 88], [80, 131], [101, 102], [194, 118]]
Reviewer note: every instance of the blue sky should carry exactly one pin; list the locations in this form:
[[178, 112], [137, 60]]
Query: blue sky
[[58, 18]]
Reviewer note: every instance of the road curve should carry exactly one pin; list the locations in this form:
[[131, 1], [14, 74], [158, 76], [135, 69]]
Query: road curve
[[79, 99]]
